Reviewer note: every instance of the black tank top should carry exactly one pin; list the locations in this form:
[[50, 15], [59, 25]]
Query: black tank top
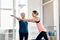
[[37, 21]]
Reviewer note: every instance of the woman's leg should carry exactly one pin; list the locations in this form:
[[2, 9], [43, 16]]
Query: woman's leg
[[20, 36], [39, 37], [26, 36], [45, 36]]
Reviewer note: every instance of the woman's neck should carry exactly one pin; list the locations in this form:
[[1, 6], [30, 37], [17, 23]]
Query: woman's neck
[[23, 18], [36, 17]]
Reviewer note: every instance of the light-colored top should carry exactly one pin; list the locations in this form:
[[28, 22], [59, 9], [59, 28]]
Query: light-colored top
[[41, 27]]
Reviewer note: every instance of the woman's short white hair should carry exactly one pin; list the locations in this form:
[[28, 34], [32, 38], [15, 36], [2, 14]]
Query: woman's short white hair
[[22, 14]]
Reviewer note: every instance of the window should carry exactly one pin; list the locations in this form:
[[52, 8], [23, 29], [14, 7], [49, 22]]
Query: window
[[6, 9], [6, 19], [6, 3], [24, 8], [23, 2]]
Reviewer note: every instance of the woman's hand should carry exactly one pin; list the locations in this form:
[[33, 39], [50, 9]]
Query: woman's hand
[[12, 15], [15, 17]]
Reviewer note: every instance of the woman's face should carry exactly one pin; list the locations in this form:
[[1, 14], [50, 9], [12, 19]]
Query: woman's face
[[23, 15], [34, 15]]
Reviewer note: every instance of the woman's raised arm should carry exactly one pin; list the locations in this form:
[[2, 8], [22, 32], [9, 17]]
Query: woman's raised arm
[[15, 17], [30, 20]]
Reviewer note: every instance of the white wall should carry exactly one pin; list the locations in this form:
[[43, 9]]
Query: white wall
[[33, 5], [48, 15], [59, 18], [56, 17], [54, 13]]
